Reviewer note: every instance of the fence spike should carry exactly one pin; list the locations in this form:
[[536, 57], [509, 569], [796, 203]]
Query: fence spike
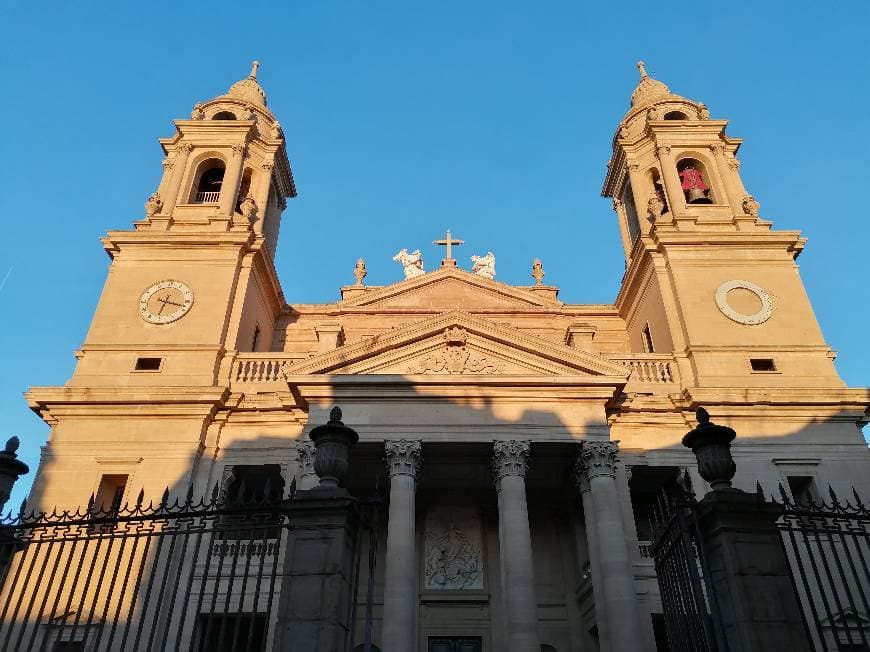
[[833, 496], [91, 501], [188, 499], [215, 492], [759, 491], [858, 500], [23, 507], [783, 494], [164, 499], [292, 491], [140, 498]]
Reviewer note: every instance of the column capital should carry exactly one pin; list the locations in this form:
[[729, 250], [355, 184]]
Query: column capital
[[305, 453], [510, 457], [403, 456], [597, 458]]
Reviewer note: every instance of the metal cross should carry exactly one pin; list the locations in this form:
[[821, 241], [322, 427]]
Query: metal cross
[[448, 242]]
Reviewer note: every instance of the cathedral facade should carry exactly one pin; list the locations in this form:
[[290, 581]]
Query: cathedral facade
[[519, 441]]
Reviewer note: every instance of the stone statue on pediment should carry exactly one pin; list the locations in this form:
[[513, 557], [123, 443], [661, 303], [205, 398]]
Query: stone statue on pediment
[[412, 263], [484, 265]]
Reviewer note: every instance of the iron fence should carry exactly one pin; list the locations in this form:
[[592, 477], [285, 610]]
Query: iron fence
[[827, 543], [179, 575], [690, 610]]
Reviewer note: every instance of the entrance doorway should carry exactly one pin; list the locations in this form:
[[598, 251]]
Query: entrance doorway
[[455, 644]]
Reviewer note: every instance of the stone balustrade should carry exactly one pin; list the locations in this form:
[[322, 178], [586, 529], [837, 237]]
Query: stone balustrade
[[649, 368], [260, 367]]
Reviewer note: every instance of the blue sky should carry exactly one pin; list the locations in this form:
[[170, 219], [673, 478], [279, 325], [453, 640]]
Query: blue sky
[[403, 119]]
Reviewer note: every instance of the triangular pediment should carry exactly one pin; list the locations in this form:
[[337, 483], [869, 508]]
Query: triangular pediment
[[456, 343], [451, 289]]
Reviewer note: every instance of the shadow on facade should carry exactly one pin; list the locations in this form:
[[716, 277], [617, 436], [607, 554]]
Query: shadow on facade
[[82, 585]]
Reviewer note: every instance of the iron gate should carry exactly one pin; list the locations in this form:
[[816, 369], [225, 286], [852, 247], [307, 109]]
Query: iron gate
[[690, 610], [182, 575]]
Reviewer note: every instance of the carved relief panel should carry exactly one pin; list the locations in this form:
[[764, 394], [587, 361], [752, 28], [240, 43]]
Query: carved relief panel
[[452, 549]]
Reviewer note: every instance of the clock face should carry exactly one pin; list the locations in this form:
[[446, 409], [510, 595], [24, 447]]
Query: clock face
[[164, 302]]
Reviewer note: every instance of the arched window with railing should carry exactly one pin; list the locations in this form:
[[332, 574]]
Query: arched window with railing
[[208, 181]]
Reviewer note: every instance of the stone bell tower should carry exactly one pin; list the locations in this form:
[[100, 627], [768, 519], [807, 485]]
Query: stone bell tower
[[707, 278], [195, 278]]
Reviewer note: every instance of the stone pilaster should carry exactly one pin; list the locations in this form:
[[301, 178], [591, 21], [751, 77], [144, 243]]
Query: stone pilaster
[[400, 574], [596, 468], [510, 461]]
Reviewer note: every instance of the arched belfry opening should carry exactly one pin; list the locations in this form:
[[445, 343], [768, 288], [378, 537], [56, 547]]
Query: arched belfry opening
[[676, 115], [208, 182], [695, 182], [224, 115]]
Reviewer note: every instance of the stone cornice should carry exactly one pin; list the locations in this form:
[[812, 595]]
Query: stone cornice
[[510, 457]]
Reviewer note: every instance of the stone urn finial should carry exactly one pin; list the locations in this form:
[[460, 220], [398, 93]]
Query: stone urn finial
[[332, 442], [11, 469], [711, 445]]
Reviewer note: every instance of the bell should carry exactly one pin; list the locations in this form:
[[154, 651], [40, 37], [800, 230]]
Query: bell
[[697, 196]]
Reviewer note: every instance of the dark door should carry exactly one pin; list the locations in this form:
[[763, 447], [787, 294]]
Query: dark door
[[455, 644]]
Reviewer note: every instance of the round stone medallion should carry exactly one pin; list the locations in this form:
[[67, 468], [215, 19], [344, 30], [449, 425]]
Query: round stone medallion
[[725, 308]]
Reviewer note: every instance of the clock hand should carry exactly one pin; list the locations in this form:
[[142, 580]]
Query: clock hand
[[164, 301]]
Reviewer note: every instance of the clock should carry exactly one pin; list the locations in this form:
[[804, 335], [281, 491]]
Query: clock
[[165, 302], [764, 312]]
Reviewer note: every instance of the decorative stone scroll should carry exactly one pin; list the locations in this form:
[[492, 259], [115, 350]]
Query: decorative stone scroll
[[763, 314], [510, 457], [452, 549], [402, 456], [457, 358]]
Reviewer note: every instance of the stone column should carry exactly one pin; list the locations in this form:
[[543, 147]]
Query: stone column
[[176, 168], [671, 180], [597, 467], [594, 561], [509, 463], [400, 575], [232, 178]]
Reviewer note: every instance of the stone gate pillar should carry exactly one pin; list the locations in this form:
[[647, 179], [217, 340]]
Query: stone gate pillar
[[748, 574], [509, 463], [597, 468]]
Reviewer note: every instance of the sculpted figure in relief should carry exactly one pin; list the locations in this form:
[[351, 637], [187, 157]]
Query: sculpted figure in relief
[[153, 205], [655, 206], [249, 207], [453, 550], [484, 265], [750, 206], [412, 263]]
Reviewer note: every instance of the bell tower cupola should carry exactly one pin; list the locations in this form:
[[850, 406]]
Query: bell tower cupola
[[673, 164], [226, 168]]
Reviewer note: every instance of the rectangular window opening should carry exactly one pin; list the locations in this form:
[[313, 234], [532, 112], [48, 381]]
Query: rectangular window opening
[[108, 500], [762, 364], [148, 364], [646, 334], [248, 486], [217, 632]]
